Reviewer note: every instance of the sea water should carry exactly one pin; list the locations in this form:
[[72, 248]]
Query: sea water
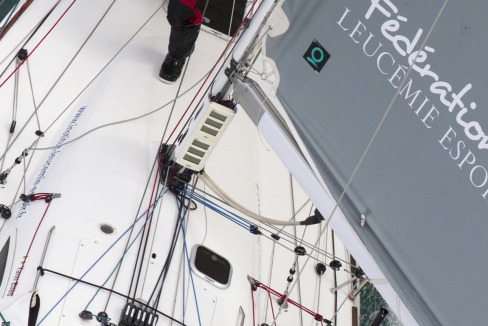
[[370, 304]]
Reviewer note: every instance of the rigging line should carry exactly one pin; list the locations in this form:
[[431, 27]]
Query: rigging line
[[81, 92], [156, 178], [319, 290], [222, 211], [79, 280], [212, 185], [335, 277], [241, 221], [3, 159], [257, 284], [287, 293], [182, 212], [301, 242], [188, 262], [205, 214], [157, 158], [29, 248], [225, 213], [250, 47], [280, 230], [169, 257], [14, 111], [130, 235], [317, 249], [39, 43], [16, 94], [120, 121], [231, 16], [93, 265], [253, 304], [152, 243], [334, 316], [270, 274], [141, 254], [272, 308], [26, 39], [147, 234], [317, 261], [23, 176], [117, 266], [4, 322], [308, 245], [33, 97], [23, 180], [175, 296]]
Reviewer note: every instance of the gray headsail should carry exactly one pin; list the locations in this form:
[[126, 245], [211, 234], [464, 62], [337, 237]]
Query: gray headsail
[[389, 98]]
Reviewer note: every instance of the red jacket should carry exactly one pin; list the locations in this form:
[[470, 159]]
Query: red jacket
[[197, 17]]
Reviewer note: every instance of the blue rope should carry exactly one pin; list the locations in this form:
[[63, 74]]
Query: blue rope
[[189, 268], [121, 259], [100, 258], [229, 213], [220, 210]]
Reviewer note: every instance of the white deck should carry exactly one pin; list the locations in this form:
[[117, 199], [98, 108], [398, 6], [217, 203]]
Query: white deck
[[102, 176]]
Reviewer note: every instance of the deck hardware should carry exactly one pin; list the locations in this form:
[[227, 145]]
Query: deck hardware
[[106, 228], [5, 211], [102, 316], [86, 315], [335, 265], [254, 229], [320, 269], [300, 251], [40, 271], [22, 54]]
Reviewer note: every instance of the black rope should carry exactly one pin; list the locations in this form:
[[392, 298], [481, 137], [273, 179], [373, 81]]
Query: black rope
[[142, 249], [43, 270], [130, 235], [169, 259]]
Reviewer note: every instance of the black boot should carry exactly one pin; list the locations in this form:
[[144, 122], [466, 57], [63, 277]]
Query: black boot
[[171, 69]]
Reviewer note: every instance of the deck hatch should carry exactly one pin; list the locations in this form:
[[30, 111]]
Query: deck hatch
[[211, 266]]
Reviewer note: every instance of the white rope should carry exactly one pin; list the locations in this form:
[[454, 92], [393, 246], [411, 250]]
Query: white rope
[[231, 202]]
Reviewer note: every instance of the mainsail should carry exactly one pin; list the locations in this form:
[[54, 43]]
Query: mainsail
[[387, 97]]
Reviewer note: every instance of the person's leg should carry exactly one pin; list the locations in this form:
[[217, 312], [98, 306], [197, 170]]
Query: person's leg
[[185, 25]]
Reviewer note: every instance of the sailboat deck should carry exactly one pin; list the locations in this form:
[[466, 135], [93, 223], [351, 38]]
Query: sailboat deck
[[95, 91]]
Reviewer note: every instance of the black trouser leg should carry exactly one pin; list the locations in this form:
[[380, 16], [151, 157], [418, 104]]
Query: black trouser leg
[[183, 33]]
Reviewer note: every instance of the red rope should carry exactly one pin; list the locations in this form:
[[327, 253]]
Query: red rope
[[317, 316], [12, 290], [272, 309], [37, 45]]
